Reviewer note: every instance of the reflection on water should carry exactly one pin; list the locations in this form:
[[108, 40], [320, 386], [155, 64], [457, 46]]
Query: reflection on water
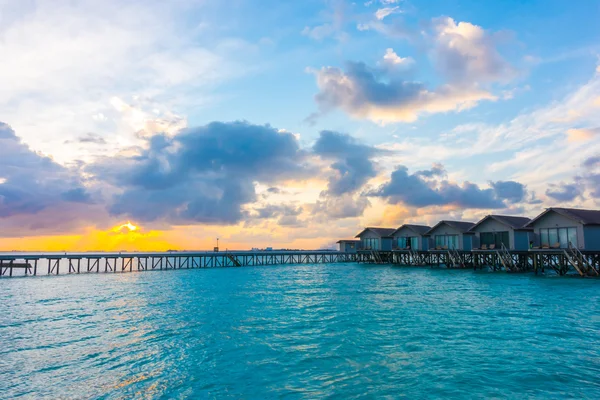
[[301, 331]]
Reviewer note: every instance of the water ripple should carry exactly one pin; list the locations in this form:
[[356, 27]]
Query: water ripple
[[307, 331]]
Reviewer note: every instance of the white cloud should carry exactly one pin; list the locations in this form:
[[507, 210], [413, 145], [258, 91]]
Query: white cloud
[[582, 134], [62, 62], [535, 147], [319, 32], [466, 52], [394, 59], [381, 13], [364, 92]]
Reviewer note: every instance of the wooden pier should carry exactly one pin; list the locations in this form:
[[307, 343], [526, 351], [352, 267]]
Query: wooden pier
[[561, 261], [79, 263]]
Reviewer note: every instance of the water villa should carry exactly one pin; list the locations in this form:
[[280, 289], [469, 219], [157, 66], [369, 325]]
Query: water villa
[[348, 246], [560, 239], [376, 239], [452, 235], [411, 237], [495, 231], [561, 228]]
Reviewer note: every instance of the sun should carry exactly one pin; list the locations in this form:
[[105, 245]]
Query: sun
[[128, 227]]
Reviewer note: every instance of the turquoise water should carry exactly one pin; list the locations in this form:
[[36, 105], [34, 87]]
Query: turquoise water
[[307, 331]]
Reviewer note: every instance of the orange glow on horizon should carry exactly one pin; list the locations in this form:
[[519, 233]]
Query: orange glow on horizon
[[131, 237]]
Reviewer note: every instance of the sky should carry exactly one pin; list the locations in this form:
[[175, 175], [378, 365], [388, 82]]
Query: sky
[[152, 125]]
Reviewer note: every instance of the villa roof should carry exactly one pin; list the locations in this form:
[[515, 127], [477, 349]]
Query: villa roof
[[381, 232], [461, 226], [420, 229], [584, 217], [348, 241], [510, 221]]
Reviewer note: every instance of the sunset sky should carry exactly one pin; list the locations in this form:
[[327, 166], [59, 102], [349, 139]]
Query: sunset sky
[[155, 125]]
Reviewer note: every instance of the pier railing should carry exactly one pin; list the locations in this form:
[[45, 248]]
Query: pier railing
[[561, 261], [79, 263]]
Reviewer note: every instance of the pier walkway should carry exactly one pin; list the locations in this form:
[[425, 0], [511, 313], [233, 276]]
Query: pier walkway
[[32, 264], [562, 261]]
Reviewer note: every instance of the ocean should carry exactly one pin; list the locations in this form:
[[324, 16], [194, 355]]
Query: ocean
[[344, 331]]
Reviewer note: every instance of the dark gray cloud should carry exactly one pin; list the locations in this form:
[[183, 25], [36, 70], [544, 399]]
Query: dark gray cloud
[[31, 183], [92, 138], [593, 180], [437, 170], [352, 161], [287, 214], [588, 180], [511, 191], [565, 191], [203, 175], [340, 207], [277, 210], [592, 162], [353, 165], [418, 191]]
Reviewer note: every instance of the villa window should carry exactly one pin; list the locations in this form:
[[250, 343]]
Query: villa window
[[371, 243], [495, 238], [403, 242], [550, 236], [449, 241]]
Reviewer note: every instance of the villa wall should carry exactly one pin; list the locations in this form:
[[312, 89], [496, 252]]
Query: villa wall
[[555, 220], [407, 232], [444, 229], [592, 237], [491, 225]]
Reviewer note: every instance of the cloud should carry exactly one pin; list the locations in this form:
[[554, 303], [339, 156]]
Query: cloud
[[201, 175], [39, 196], [287, 214], [588, 180], [593, 182], [420, 190], [394, 60], [340, 207], [381, 13], [319, 32], [376, 94], [592, 162], [64, 62], [466, 53], [31, 182], [512, 191], [564, 192], [583, 134], [333, 22], [89, 138], [351, 161]]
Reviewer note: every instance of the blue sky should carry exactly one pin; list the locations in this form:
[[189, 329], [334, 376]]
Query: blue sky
[[386, 112]]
